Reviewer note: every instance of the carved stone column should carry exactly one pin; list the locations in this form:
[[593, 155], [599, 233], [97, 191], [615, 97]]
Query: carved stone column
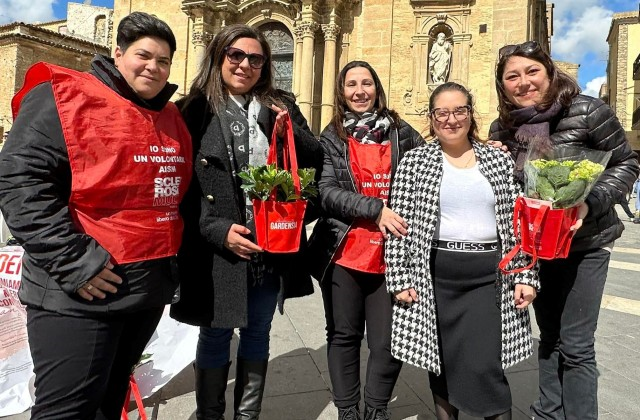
[[203, 26], [306, 74], [331, 32], [297, 57]]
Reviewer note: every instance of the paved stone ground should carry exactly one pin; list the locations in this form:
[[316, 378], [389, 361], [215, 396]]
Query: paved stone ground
[[298, 386]]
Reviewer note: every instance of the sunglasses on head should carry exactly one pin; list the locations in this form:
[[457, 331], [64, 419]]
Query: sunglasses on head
[[528, 47], [237, 56]]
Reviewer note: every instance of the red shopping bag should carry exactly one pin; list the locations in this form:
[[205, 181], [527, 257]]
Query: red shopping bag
[[279, 224], [541, 231], [133, 388]]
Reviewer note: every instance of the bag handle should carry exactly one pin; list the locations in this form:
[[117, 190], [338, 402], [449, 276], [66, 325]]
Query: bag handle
[[133, 387], [289, 157], [536, 232]]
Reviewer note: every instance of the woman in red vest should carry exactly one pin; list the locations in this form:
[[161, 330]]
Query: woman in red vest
[[362, 147], [227, 282], [90, 181]]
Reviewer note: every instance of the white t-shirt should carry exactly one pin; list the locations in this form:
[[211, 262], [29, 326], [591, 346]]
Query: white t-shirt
[[467, 206]]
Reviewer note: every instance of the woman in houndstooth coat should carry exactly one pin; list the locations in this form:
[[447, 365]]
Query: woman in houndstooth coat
[[456, 314]]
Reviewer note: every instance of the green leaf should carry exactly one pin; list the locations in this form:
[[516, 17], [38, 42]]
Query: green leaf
[[259, 182]]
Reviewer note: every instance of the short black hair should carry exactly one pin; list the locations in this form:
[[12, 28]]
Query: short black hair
[[139, 25]]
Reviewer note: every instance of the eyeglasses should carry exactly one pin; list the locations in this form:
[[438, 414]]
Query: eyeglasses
[[528, 47], [461, 113], [237, 56]]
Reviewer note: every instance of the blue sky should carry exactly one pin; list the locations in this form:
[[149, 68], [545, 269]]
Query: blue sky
[[580, 29]]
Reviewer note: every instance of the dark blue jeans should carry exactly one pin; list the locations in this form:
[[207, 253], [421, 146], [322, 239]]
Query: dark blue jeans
[[214, 343], [567, 309]]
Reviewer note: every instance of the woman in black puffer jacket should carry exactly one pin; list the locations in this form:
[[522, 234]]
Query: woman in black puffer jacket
[[362, 147], [537, 100]]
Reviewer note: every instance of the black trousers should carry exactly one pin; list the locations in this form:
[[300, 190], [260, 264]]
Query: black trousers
[[352, 300], [82, 365]]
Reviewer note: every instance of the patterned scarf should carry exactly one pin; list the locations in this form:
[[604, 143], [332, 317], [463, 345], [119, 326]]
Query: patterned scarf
[[367, 128], [531, 126], [248, 146]]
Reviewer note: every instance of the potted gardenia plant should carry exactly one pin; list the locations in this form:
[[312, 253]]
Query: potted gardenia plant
[[279, 199]]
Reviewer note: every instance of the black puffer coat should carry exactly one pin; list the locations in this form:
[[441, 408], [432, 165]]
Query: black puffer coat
[[339, 201], [590, 123], [213, 280]]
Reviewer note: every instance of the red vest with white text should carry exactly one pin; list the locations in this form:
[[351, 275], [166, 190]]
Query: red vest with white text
[[130, 166]]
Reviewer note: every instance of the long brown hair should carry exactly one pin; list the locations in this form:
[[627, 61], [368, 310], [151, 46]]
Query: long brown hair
[[209, 82], [562, 87], [341, 107], [454, 87]]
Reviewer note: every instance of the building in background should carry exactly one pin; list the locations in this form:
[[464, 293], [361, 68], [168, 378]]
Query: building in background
[[313, 39], [622, 87], [71, 43]]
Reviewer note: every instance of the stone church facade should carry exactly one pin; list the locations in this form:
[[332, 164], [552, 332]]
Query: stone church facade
[[71, 42], [313, 39]]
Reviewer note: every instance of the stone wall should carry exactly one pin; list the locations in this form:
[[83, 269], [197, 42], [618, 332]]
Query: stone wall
[[570, 68], [394, 37], [89, 22], [23, 45]]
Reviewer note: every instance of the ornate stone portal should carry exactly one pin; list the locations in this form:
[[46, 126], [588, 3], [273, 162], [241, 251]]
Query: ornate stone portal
[[440, 48]]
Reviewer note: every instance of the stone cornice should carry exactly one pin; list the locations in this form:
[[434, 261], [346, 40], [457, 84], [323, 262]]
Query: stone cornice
[[19, 30]]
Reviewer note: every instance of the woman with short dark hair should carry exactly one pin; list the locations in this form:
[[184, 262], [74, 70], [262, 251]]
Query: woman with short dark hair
[[97, 218]]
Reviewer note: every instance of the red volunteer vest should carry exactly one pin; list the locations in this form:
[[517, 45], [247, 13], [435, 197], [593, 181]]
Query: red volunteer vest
[[130, 166], [363, 246]]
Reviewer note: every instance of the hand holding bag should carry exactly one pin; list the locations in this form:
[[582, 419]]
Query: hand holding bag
[[279, 224], [540, 231]]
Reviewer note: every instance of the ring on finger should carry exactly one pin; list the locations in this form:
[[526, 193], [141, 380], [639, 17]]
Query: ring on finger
[[89, 287]]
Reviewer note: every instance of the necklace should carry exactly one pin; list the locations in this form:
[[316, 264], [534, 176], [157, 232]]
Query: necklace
[[455, 163]]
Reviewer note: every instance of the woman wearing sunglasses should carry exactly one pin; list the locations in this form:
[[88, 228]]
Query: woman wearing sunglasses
[[456, 314], [538, 100], [226, 280]]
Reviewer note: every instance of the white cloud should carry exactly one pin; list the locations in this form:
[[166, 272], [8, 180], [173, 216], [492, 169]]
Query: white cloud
[[593, 86], [583, 34], [27, 11]]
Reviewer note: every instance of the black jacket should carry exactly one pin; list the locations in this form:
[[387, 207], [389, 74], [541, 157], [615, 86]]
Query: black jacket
[[213, 280], [590, 123], [340, 203], [35, 185]]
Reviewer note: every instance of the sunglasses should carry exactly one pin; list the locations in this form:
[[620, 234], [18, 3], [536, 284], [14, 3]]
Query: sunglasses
[[237, 56], [460, 113], [528, 47]]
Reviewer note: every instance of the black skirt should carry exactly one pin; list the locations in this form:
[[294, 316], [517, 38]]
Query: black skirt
[[469, 329]]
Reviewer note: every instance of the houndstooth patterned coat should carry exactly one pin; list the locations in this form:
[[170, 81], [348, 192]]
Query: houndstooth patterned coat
[[416, 197]]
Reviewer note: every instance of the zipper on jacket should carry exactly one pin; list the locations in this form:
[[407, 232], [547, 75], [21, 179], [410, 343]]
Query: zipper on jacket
[[353, 183]]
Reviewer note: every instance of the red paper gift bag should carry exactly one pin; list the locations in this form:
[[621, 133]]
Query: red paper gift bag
[[279, 224], [541, 231]]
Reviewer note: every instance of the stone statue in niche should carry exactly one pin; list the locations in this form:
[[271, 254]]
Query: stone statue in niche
[[440, 59]]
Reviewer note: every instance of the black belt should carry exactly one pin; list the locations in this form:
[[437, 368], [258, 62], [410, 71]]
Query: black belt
[[465, 246]]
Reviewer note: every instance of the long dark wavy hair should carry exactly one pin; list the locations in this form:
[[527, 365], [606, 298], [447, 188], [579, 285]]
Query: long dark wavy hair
[[562, 87], [454, 87], [341, 107], [209, 82]]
